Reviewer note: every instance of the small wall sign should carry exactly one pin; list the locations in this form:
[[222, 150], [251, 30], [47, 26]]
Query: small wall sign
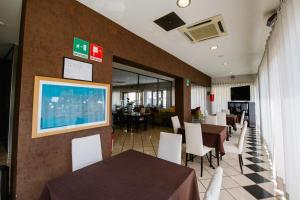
[[77, 70], [96, 52], [80, 48], [187, 82]]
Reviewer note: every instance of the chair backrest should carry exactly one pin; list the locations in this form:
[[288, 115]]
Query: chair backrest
[[213, 191], [221, 118], [193, 138], [143, 111], [211, 119], [243, 117], [227, 111], [86, 151], [176, 124], [242, 137], [169, 147]]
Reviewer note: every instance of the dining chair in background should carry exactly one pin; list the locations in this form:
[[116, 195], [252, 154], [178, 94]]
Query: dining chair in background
[[194, 143], [237, 148], [142, 111], [86, 151], [214, 187], [221, 118], [205, 112], [240, 125], [169, 147], [211, 119], [175, 123], [227, 111]]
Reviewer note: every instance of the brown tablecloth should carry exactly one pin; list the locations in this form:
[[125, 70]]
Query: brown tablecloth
[[130, 175], [231, 120], [212, 135]]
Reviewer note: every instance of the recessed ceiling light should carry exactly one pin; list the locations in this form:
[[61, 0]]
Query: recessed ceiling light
[[183, 3], [225, 63], [213, 47], [230, 72], [2, 23]]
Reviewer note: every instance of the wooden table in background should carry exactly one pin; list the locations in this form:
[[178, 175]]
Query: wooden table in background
[[231, 120], [213, 136]]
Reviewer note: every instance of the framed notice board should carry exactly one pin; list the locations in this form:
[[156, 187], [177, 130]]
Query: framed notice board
[[61, 106]]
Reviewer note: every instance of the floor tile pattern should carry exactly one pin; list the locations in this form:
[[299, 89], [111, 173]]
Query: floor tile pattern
[[257, 182]]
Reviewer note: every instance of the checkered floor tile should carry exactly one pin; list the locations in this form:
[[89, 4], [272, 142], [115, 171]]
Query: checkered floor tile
[[257, 182]]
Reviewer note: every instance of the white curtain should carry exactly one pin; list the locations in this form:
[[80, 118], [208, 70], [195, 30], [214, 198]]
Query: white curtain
[[223, 95], [257, 102], [198, 97], [279, 79]]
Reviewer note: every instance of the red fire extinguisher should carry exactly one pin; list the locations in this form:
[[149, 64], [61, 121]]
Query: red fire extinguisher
[[211, 97]]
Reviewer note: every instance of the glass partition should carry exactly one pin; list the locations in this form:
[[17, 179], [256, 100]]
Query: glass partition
[[140, 90]]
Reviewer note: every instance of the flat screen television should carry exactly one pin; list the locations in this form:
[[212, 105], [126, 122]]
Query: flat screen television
[[240, 93]]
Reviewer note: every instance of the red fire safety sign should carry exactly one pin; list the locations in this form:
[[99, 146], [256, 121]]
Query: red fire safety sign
[[96, 53]]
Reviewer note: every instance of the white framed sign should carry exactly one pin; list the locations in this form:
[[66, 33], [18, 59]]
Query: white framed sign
[[77, 70]]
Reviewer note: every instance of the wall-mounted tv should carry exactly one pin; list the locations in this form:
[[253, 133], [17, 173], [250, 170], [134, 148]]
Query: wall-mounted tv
[[240, 93]]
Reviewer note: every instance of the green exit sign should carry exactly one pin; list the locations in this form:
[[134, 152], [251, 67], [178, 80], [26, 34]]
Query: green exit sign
[[187, 82], [80, 48]]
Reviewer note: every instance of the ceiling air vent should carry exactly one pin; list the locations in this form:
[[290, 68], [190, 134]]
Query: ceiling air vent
[[205, 29]]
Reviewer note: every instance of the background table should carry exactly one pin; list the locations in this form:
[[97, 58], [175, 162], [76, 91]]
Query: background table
[[130, 175], [231, 120], [134, 119], [212, 135]]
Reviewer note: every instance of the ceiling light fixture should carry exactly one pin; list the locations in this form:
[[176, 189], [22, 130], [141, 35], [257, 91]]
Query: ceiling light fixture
[[225, 63], [214, 48], [183, 3], [2, 23]]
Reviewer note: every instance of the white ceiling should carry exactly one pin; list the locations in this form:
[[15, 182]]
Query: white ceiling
[[10, 14], [245, 21]]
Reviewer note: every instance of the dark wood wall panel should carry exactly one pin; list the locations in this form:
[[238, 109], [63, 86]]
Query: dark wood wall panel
[[49, 28]]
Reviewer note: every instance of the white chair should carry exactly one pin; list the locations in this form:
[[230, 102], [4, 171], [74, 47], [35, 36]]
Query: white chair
[[234, 148], [86, 151], [227, 111], [214, 187], [169, 147], [221, 118], [240, 125], [194, 143], [211, 119], [176, 124], [205, 112]]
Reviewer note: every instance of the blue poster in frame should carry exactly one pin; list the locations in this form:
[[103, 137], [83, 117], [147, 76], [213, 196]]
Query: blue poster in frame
[[62, 106]]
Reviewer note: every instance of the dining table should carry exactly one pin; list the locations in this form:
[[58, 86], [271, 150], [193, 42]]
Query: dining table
[[134, 119], [130, 175], [213, 136], [231, 121]]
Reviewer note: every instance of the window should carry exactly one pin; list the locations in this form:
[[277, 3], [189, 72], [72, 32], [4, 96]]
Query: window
[[148, 98], [142, 90]]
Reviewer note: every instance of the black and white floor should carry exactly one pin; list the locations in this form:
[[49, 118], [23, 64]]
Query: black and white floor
[[257, 182]]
